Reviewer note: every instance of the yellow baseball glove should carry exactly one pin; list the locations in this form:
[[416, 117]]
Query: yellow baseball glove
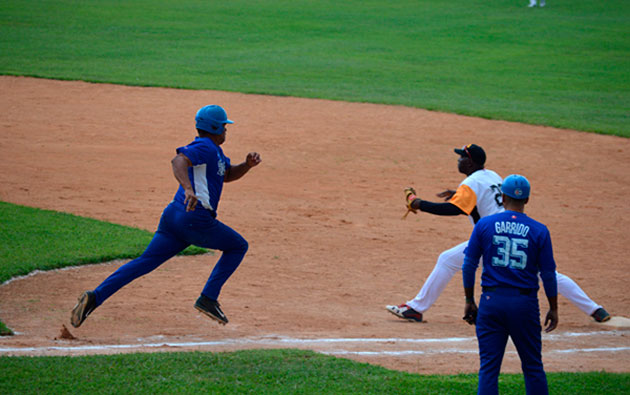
[[410, 196]]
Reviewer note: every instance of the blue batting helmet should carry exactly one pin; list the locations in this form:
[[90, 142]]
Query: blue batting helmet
[[516, 186], [212, 119]]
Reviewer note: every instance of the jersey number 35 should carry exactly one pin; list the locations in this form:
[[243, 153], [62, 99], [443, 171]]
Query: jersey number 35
[[510, 253]]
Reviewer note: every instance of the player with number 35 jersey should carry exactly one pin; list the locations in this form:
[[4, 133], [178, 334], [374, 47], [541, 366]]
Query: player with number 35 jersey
[[516, 249]]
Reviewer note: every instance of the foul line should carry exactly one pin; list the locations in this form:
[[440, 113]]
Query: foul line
[[458, 351], [280, 341]]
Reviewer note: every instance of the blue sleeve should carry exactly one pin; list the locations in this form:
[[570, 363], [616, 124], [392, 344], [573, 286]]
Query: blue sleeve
[[548, 267], [196, 153], [468, 271], [471, 259], [549, 283]]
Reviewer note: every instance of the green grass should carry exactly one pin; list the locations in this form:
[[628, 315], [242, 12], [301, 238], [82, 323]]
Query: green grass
[[33, 239], [565, 65], [259, 372], [4, 330]]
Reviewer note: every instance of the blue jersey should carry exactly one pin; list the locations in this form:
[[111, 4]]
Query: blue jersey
[[514, 249], [207, 173]]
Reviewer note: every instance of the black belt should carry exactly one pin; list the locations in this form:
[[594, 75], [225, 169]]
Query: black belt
[[199, 207], [522, 291]]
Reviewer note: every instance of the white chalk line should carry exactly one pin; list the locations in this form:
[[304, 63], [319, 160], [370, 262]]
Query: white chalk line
[[458, 351], [283, 341]]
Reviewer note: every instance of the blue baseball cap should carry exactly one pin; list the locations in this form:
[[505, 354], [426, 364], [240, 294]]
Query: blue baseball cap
[[516, 186], [212, 119]]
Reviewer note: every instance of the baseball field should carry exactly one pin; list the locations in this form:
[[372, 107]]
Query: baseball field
[[347, 105]]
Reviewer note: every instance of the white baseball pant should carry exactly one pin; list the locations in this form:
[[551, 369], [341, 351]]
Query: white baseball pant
[[451, 261]]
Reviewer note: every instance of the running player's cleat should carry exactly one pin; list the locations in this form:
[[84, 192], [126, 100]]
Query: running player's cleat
[[405, 312], [601, 315], [211, 308], [85, 305]]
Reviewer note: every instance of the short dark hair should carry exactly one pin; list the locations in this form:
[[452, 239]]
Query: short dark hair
[[205, 131], [506, 197]]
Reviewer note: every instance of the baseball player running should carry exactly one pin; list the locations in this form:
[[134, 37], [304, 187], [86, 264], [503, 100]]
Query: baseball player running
[[516, 250], [201, 168], [478, 196]]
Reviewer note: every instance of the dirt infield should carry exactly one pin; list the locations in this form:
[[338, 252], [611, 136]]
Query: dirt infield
[[322, 213]]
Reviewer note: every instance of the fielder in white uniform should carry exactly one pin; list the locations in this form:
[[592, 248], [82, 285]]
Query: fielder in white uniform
[[478, 196]]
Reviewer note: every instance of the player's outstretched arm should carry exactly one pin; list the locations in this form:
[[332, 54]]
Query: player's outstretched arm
[[436, 208], [235, 172], [415, 204]]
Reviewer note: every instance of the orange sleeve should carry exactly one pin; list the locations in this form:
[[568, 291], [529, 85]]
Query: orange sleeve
[[464, 198]]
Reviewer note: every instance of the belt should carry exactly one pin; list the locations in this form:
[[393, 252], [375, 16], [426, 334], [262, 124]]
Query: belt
[[199, 209], [522, 291]]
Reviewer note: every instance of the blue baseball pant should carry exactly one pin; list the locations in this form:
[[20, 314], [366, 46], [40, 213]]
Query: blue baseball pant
[[177, 230], [506, 312]]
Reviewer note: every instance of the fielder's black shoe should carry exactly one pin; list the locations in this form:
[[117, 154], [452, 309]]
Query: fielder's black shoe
[[211, 308], [85, 305], [601, 315]]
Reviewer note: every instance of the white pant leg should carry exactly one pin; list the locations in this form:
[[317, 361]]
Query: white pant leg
[[449, 262], [570, 290]]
